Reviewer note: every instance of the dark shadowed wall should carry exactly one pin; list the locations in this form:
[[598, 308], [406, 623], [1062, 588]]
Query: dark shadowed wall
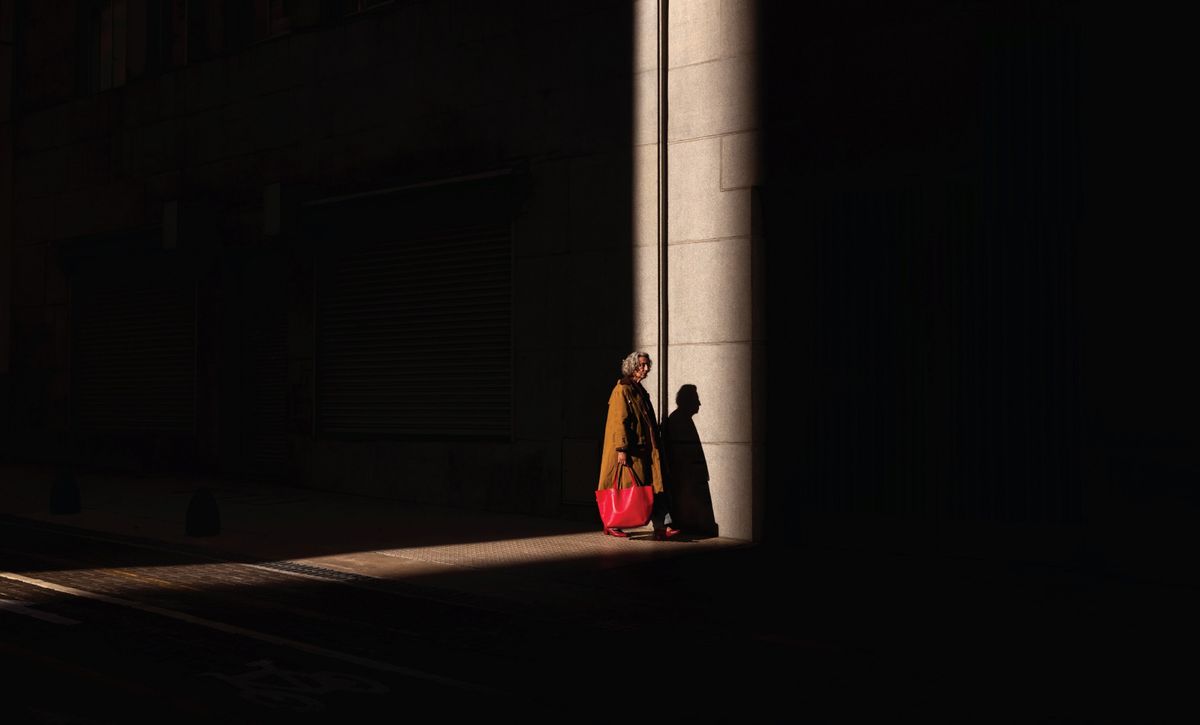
[[228, 232], [922, 211], [976, 252]]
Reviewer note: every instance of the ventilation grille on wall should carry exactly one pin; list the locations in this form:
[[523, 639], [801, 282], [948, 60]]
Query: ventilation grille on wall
[[415, 337]]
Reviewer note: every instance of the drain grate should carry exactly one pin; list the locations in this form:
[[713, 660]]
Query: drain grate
[[317, 571]]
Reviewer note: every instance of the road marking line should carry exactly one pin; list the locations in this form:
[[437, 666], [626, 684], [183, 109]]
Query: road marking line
[[80, 534], [27, 609], [250, 633], [250, 600]]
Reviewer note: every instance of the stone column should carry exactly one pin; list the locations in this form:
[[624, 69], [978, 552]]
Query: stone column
[[646, 188], [711, 135]]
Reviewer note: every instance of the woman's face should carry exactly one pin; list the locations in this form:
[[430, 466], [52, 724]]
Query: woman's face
[[642, 369]]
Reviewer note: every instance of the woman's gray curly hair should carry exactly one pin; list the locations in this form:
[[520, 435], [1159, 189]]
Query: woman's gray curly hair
[[630, 363]]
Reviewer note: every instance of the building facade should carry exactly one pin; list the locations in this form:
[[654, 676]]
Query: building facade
[[390, 248], [399, 248]]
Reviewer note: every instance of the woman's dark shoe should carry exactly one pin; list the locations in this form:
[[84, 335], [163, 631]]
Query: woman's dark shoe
[[665, 534], [616, 532]]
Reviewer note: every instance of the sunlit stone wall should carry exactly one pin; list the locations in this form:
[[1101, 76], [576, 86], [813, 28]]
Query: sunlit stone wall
[[645, 183], [711, 167]]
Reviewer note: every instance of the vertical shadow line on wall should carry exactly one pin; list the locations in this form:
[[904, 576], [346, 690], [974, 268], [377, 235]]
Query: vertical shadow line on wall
[[662, 37]]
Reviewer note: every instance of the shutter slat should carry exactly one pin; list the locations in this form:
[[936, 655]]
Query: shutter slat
[[415, 337]]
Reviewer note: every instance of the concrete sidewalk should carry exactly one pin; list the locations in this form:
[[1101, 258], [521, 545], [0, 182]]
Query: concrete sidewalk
[[490, 555]]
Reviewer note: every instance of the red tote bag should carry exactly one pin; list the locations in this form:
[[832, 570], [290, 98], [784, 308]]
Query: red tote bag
[[625, 507]]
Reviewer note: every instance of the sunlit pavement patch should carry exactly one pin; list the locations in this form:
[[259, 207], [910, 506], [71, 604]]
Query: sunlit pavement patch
[[548, 550]]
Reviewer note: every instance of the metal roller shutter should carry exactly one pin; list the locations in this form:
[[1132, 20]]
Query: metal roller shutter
[[265, 371], [135, 354], [415, 336]]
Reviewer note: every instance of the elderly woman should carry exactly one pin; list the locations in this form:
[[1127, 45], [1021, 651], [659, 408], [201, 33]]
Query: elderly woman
[[632, 447]]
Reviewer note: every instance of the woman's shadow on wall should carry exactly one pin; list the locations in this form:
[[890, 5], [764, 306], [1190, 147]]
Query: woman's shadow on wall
[[691, 499]]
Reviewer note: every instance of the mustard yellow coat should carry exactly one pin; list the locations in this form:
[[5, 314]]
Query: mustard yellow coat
[[632, 428]]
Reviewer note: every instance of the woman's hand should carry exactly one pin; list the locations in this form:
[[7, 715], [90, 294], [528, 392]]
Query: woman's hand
[[621, 458]]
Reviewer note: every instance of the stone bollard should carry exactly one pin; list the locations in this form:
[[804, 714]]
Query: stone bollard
[[64, 493], [203, 516]]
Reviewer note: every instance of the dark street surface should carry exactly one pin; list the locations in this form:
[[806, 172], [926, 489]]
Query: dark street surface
[[915, 280], [97, 628]]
